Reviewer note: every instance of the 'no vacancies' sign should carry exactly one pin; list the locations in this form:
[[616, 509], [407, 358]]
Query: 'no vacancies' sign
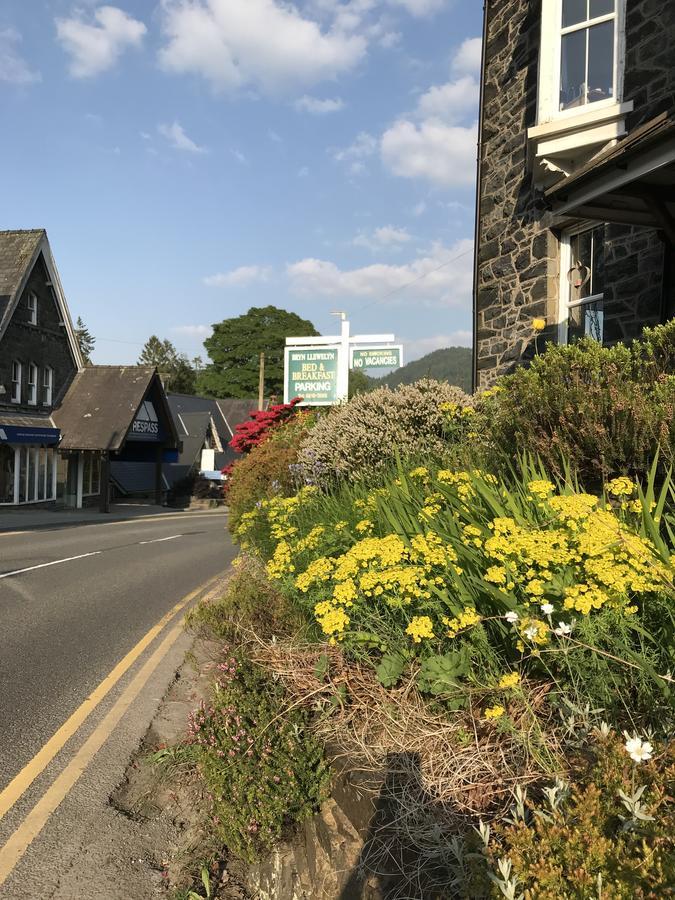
[[311, 373], [376, 357]]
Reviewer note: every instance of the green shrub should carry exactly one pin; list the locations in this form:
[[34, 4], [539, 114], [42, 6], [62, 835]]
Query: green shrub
[[268, 470], [590, 839], [606, 411], [251, 605], [262, 770], [365, 435]]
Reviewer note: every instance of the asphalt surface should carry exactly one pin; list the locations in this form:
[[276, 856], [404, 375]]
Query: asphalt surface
[[65, 625]]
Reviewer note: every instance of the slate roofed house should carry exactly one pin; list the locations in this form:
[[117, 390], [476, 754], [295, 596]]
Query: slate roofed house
[[62, 423], [39, 357], [204, 427], [576, 177]]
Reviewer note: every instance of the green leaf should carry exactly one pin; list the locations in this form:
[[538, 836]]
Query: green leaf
[[321, 667], [390, 669], [441, 674]]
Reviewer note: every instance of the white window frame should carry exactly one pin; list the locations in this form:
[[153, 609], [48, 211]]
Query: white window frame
[[17, 385], [550, 59], [32, 386], [91, 487], [564, 303], [47, 386], [34, 454], [32, 308]]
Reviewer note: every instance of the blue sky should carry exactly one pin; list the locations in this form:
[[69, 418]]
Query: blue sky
[[193, 158]]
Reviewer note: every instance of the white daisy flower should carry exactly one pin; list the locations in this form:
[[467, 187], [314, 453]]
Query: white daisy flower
[[638, 750], [547, 608], [562, 630], [511, 617], [531, 632]]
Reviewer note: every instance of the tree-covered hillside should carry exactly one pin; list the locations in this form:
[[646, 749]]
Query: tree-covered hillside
[[451, 364]]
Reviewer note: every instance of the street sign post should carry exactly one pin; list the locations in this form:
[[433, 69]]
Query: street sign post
[[377, 357], [317, 368]]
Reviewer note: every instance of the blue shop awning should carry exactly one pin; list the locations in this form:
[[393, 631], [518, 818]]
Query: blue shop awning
[[28, 434]]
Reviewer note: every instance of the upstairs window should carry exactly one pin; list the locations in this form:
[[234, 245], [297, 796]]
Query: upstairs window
[[587, 52], [32, 309], [32, 384], [16, 382], [47, 386]]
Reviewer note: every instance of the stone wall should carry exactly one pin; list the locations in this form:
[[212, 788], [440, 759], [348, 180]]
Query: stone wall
[[518, 256], [45, 345]]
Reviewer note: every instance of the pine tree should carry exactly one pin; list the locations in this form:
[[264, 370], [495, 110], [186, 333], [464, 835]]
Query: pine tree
[[85, 339]]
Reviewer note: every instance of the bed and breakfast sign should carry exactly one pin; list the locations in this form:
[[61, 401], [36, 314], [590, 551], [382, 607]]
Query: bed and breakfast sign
[[312, 373]]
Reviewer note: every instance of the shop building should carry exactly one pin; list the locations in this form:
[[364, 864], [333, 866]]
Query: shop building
[[62, 423], [39, 357]]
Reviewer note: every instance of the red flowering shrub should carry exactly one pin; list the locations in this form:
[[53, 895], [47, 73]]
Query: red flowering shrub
[[254, 432]]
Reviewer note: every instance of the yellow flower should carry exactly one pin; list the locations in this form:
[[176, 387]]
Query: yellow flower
[[420, 627], [464, 620], [419, 472], [494, 712], [364, 525], [332, 619], [510, 680], [538, 324], [621, 487], [541, 489]]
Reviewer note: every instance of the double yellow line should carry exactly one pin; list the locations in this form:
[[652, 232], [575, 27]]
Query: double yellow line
[[31, 826]]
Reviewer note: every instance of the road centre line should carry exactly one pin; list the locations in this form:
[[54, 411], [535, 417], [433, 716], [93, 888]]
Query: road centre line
[[161, 540], [55, 562], [37, 818], [22, 781]]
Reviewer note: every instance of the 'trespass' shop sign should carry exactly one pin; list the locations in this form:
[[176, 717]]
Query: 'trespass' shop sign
[[312, 373]]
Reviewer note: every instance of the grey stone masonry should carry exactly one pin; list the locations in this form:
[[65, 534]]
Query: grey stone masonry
[[518, 270], [44, 344]]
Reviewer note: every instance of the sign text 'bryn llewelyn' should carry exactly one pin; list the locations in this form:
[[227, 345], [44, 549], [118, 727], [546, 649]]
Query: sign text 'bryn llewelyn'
[[311, 373]]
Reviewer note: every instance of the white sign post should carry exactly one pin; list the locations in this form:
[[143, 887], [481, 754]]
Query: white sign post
[[345, 345]]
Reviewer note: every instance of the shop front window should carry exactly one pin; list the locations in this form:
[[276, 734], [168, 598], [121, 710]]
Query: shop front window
[[91, 474], [7, 462], [583, 263]]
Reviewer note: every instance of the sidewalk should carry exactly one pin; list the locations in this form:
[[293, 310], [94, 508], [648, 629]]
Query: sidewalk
[[27, 519]]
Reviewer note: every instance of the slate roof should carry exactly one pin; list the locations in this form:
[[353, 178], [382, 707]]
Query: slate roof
[[17, 251], [226, 414], [100, 405], [22, 421]]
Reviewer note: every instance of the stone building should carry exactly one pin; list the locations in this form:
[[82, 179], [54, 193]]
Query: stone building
[[62, 423], [575, 219]]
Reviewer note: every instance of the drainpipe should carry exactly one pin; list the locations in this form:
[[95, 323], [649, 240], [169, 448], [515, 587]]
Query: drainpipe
[[479, 166]]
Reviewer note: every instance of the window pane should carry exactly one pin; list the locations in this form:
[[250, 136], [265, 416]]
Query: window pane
[[32, 469], [579, 275], [585, 321], [50, 474], [600, 62], [6, 474], [597, 281], [601, 8], [86, 476], [573, 69], [574, 11], [42, 473], [23, 473]]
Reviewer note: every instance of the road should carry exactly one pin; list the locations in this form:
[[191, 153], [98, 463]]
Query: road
[[73, 603]]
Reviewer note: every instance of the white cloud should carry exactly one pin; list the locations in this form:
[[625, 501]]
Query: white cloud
[[274, 137], [435, 142], [364, 145], [93, 48], [176, 136], [193, 331], [451, 101], [420, 7], [419, 208], [417, 347], [240, 157], [440, 153], [303, 172], [263, 43], [318, 107], [13, 67], [443, 276], [238, 277], [386, 237], [467, 58]]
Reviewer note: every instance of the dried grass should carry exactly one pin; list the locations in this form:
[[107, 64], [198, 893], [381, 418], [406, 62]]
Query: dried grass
[[466, 768]]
